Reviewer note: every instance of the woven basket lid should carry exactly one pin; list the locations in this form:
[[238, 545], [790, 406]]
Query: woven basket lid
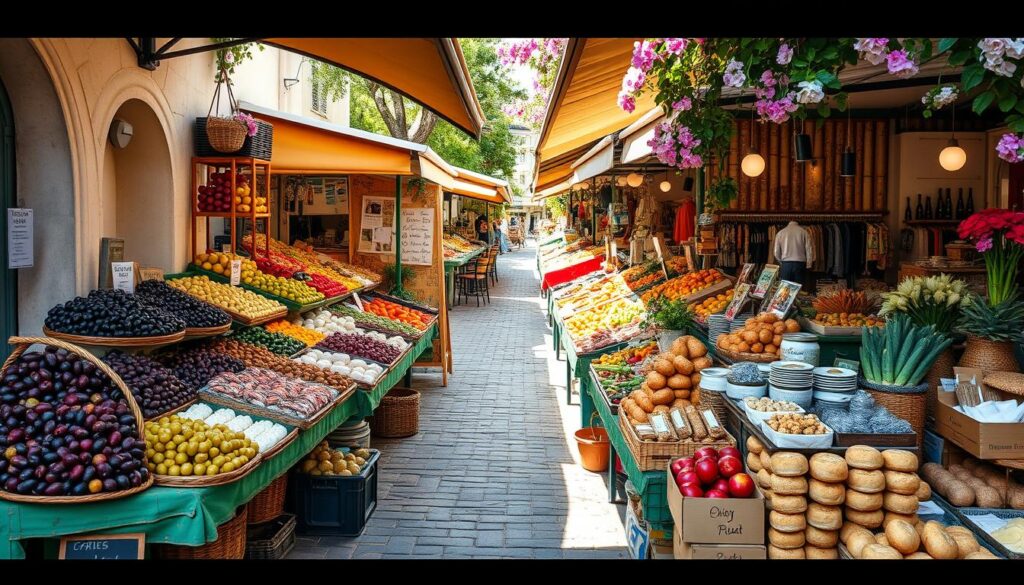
[[1006, 381]]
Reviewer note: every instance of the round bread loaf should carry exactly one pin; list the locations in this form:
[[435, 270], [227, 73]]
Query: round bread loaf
[[830, 494], [965, 543], [785, 539], [890, 516], [899, 503], [870, 520], [897, 460], [866, 482], [902, 536], [787, 522], [824, 517], [753, 445], [981, 555], [787, 504], [880, 538], [864, 502], [821, 538], [899, 482], [924, 491], [849, 529], [818, 553], [858, 541], [788, 464], [766, 461], [938, 543], [789, 486], [918, 556], [764, 479], [753, 462], [880, 552], [828, 467], [864, 457], [776, 553]]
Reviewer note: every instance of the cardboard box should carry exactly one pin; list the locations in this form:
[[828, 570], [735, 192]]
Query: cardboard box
[[716, 521], [662, 552], [716, 552], [636, 536], [983, 440]]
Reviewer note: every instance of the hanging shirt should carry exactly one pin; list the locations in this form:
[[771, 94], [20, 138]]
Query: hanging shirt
[[685, 218], [792, 244]]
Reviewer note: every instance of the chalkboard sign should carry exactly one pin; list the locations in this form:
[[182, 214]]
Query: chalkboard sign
[[418, 236], [103, 546]]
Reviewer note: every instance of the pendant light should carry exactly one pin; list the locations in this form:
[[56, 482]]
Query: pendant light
[[752, 164], [634, 179], [848, 167], [953, 157], [665, 186], [620, 180], [801, 144]]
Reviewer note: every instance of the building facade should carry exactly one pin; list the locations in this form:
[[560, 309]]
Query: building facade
[[526, 147]]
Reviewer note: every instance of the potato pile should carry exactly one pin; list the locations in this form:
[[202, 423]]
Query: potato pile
[[675, 374], [797, 424], [761, 335], [975, 484], [326, 461]]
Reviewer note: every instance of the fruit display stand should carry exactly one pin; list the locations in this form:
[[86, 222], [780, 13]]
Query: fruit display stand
[[450, 266], [237, 319], [181, 515], [204, 170], [562, 275], [293, 306]]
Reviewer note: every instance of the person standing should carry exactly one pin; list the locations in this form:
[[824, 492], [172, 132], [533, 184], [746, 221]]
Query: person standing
[[793, 251], [483, 229], [505, 244]]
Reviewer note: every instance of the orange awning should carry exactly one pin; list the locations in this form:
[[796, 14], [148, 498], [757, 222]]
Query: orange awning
[[304, 145], [583, 106], [430, 71]]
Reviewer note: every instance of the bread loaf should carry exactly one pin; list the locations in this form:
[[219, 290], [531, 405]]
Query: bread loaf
[[881, 538], [754, 445], [982, 555], [880, 552], [764, 479], [788, 504], [864, 457], [866, 482], [902, 536], [828, 467], [897, 460], [787, 522], [830, 494], [924, 491], [766, 460], [785, 540], [789, 486], [788, 464], [965, 542], [892, 516], [753, 462], [776, 553], [938, 543], [918, 556], [819, 553], [824, 517], [849, 529], [899, 503], [858, 542], [902, 483], [869, 520], [863, 502]]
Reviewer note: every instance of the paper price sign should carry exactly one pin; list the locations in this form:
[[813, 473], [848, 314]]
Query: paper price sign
[[236, 272], [20, 253], [124, 276], [359, 303]]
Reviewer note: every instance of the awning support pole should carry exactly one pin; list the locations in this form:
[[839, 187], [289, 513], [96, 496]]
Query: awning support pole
[[398, 232]]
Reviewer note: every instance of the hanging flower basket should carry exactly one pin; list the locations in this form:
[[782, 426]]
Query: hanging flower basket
[[227, 134]]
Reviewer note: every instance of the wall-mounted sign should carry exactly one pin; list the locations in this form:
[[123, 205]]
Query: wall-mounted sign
[[417, 236], [20, 252], [377, 231]]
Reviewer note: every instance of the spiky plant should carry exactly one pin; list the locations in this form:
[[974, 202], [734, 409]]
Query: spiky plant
[[1003, 322]]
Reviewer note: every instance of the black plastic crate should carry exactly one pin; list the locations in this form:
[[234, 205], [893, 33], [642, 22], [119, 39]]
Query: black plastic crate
[[271, 540], [259, 146], [334, 505]]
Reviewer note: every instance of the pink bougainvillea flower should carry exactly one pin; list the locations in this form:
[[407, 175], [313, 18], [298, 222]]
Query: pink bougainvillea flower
[[1011, 148], [626, 102], [785, 55], [872, 50], [984, 245], [229, 57], [644, 55], [675, 46], [682, 104], [734, 76], [810, 92], [633, 80], [901, 64]]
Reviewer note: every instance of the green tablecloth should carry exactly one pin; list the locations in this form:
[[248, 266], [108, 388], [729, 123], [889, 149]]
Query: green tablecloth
[[186, 516]]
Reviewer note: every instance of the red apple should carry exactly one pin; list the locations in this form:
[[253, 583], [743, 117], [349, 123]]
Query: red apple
[[705, 452], [685, 477], [716, 494], [692, 490], [741, 485], [707, 470], [684, 464], [730, 451], [729, 466], [721, 484]]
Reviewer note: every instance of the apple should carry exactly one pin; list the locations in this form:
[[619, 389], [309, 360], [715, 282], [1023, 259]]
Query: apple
[[706, 470], [692, 490], [685, 477], [741, 485], [721, 484], [730, 451], [716, 494], [705, 452], [684, 464], [729, 466]]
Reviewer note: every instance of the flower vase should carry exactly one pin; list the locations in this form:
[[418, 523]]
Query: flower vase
[[666, 337], [988, 355]]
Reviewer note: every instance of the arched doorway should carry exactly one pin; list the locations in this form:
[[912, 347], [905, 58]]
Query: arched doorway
[[138, 189], [8, 278]]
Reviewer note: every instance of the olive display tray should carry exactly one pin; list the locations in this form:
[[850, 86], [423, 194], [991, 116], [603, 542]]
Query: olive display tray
[[116, 341], [405, 303], [198, 332], [100, 497], [265, 456], [276, 416], [237, 317], [194, 481], [292, 305], [381, 329]]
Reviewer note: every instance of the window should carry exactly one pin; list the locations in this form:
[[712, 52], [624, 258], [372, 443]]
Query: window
[[318, 97]]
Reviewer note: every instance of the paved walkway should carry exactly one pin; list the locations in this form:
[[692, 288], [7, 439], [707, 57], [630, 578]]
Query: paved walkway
[[494, 470]]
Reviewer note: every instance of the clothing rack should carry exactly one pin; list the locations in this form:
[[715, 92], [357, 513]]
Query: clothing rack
[[798, 216]]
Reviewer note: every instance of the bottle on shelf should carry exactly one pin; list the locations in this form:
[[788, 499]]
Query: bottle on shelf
[[940, 211], [928, 212], [919, 212], [948, 206], [970, 202], [907, 216]]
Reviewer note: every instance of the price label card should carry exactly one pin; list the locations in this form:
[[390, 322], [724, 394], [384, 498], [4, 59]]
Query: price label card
[[124, 276], [236, 272], [225, 248], [359, 303], [20, 252], [103, 547]]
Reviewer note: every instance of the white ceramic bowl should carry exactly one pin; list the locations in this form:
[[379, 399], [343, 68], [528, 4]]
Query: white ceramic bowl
[[802, 397], [738, 392], [713, 379]]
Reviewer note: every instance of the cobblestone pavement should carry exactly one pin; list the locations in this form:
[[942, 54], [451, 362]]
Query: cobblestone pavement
[[494, 470]]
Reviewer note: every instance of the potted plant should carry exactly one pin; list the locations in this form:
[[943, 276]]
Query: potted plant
[[993, 325], [672, 317]]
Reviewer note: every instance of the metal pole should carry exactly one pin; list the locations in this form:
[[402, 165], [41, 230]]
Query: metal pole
[[700, 207], [398, 232]]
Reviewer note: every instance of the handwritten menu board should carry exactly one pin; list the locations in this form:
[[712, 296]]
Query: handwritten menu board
[[418, 236]]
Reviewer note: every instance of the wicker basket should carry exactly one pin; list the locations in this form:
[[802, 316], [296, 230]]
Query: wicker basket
[[713, 400], [230, 543], [269, 503], [942, 368], [271, 541], [906, 402], [654, 456], [225, 135], [398, 414], [988, 355]]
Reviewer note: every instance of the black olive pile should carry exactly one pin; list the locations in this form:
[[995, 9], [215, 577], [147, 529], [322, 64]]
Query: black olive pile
[[66, 429], [198, 365], [158, 294], [111, 313], [156, 389]]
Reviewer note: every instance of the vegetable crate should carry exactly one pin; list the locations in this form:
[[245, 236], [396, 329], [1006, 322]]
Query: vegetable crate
[[335, 505]]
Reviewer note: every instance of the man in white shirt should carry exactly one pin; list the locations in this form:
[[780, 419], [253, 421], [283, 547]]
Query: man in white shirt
[[794, 252]]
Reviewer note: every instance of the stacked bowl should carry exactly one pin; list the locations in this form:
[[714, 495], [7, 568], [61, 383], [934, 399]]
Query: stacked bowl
[[834, 386], [792, 381]]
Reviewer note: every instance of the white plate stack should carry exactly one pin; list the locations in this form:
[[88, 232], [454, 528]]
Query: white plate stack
[[834, 379], [738, 322], [791, 375], [717, 325]]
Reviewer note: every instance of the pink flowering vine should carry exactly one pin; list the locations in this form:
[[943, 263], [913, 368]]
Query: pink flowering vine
[[1011, 148], [785, 54], [901, 64], [874, 50]]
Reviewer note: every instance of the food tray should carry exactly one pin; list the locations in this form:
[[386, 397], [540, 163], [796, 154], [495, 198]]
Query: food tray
[[361, 385], [280, 417], [197, 332], [757, 416], [655, 456], [379, 329], [720, 286], [737, 356], [808, 325], [967, 515], [116, 341], [287, 440], [292, 305], [791, 441], [193, 481], [614, 408], [282, 312], [404, 303]]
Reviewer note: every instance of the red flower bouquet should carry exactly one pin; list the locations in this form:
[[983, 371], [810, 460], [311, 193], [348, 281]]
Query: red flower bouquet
[[999, 235]]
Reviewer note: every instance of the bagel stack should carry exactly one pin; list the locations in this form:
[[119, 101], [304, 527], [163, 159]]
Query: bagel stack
[[786, 477], [827, 473], [902, 487], [865, 487]]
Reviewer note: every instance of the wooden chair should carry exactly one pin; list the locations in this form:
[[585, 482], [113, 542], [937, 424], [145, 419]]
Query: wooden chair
[[475, 283], [493, 256]]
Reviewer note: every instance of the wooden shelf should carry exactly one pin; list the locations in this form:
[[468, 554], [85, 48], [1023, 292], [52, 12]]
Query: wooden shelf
[[947, 223], [239, 215]]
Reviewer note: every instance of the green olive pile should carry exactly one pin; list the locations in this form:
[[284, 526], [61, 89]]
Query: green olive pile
[[183, 447], [286, 288], [278, 343]]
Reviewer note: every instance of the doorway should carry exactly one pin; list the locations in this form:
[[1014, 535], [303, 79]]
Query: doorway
[[8, 277]]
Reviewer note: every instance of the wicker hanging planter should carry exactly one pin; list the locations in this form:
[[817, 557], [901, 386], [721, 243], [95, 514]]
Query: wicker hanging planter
[[988, 355], [225, 134]]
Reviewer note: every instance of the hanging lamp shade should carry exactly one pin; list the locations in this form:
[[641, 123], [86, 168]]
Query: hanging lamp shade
[[802, 147], [849, 163], [752, 164], [953, 157], [634, 179], [665, 186]]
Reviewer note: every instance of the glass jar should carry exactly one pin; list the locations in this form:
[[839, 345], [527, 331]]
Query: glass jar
[[800, 347]]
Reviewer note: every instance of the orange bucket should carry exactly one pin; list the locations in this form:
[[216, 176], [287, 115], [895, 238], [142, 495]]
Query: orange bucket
[[593, 444]]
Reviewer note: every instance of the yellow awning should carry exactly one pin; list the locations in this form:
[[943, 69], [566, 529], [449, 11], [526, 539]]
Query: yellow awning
[[430, 71], [583, 106]]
